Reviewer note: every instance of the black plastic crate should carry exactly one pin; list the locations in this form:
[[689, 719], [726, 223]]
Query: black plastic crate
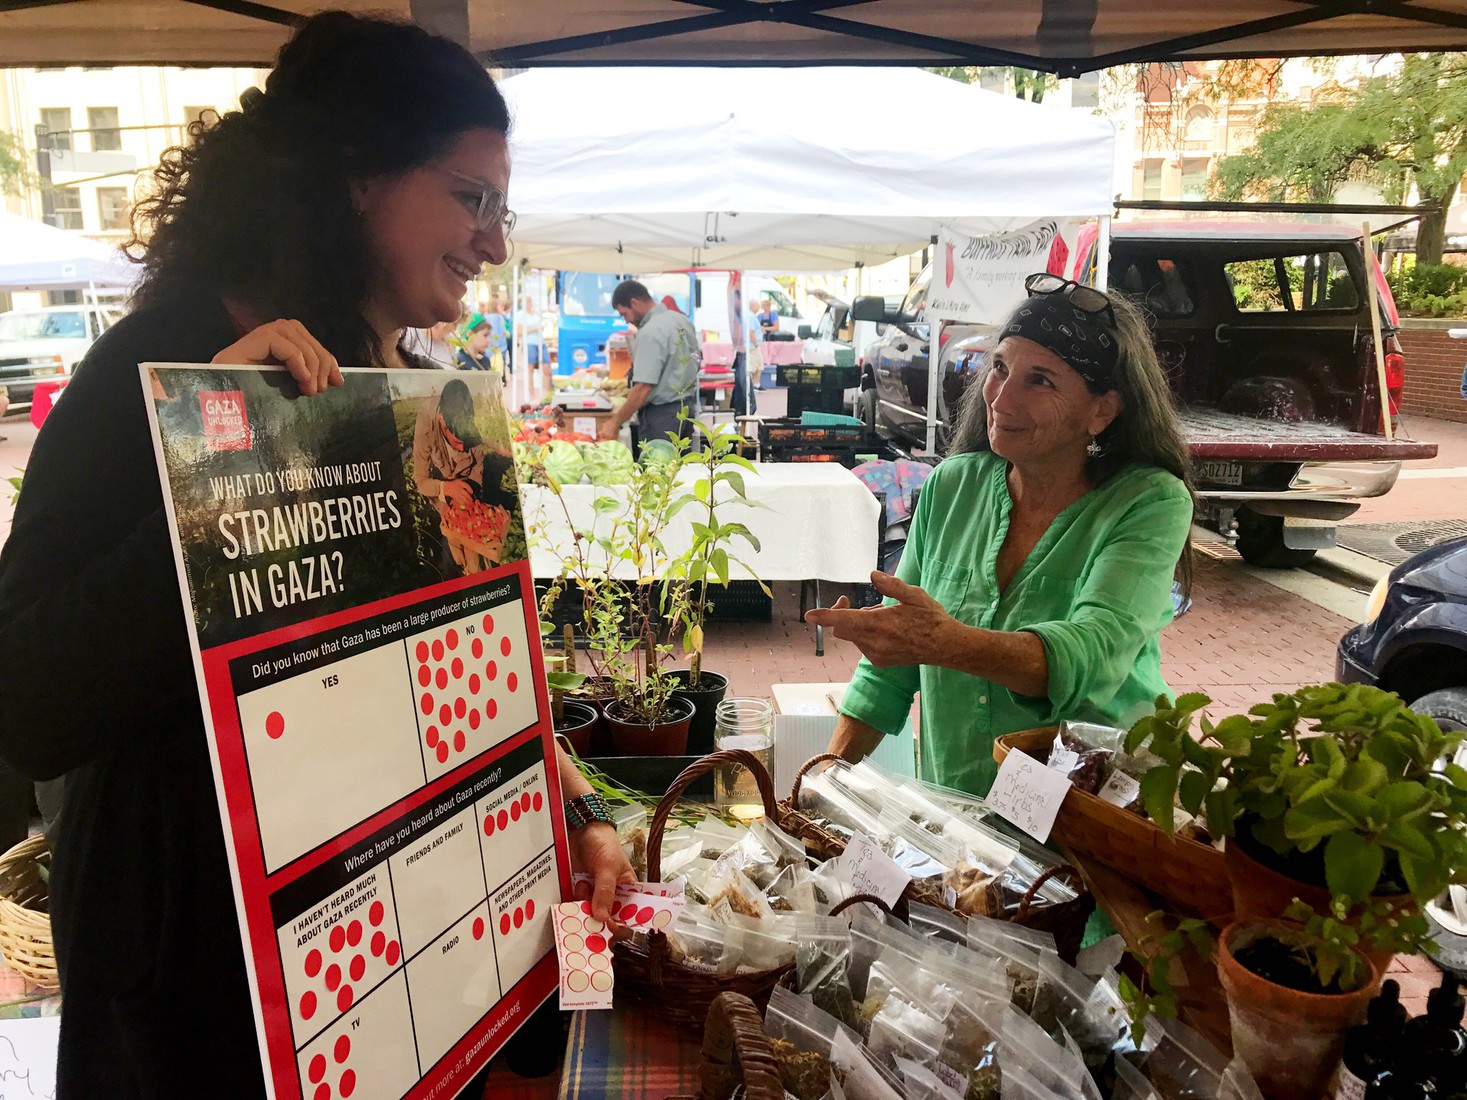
[[823, 377], [741, 602], [568, 608], [803, 399], [789, 434]]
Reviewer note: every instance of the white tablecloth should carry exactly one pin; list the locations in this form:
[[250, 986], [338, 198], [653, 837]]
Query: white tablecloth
[[818, 523]]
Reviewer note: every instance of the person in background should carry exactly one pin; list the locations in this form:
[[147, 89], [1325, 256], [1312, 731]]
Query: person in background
[[350, 201], [1038, 569], [537, 362], [768, 318], [665, 361], [477, 335], [501, 337], [743, 395], [432, 344]]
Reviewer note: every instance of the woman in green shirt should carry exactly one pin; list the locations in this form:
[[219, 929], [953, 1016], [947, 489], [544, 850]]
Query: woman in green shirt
[[1038, 568]]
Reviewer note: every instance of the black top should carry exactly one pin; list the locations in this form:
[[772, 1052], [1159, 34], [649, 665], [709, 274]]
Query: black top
[[99, 685]]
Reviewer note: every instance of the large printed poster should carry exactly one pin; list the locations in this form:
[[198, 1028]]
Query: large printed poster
[[370, 667]]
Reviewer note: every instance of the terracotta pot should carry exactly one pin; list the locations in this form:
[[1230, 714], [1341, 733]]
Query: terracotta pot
[[1262, 894], [633, 737], [705, 699], [1290, 1041], [575, 726]]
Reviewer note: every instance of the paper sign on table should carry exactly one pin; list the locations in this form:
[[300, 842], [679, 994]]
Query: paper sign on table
[[1063, 760], [1028, 794], [583, 947], [870, 870], [28, 1056], [1120, 789]]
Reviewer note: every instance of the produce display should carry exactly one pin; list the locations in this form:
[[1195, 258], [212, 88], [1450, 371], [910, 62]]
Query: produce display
[[485, 523]]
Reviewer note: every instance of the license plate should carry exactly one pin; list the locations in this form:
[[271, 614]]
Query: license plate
[[1220, 473]]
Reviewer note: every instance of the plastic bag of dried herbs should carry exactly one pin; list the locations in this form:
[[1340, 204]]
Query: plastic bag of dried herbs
[[699, 941], [1084, 753], [758, 944], [803, 1038], [823, 964], [1027, 1047], [1019, 949], [903, 1030], [937, 924]]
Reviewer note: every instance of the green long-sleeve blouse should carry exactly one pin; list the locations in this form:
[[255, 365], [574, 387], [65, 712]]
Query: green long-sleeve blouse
[[1096, 589]]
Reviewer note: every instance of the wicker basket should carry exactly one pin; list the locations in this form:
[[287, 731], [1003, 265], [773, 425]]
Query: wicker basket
[[1187, 873], [25, 926], [737, 1054], [646, 972], [1065, 920]]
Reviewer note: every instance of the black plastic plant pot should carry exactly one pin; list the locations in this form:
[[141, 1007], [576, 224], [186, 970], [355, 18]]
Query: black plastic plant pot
[[711, 689]]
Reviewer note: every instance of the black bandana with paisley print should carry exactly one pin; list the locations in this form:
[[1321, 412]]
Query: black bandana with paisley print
[[1083, 340]]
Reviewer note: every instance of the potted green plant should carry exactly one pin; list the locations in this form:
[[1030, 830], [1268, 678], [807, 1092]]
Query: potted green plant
[[1293, 987], [708, 558], [1333, 793], [635, 595]]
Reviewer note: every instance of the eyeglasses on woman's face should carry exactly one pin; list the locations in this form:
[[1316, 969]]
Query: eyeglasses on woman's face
[[487, 203]]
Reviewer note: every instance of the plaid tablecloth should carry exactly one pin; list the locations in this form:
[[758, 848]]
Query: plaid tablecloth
[[625, 1054]]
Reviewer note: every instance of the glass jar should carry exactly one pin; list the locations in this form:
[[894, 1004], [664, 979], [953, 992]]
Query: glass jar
[[746, 724]]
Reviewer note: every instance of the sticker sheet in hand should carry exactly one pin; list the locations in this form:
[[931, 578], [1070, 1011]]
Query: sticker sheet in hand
[[373, 688]]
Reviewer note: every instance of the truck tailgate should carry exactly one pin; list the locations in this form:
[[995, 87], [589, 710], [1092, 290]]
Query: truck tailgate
[[1217, 435]]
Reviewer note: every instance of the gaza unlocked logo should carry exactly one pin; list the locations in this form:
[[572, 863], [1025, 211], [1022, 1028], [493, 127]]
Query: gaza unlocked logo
[[226, 425]]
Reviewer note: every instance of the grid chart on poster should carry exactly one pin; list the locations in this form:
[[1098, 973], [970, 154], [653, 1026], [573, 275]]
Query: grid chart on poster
[[455, 690], [423, 944]]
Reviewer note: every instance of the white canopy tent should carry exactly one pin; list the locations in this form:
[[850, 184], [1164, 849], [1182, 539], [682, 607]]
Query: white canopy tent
[[649, 169], [34, 256]]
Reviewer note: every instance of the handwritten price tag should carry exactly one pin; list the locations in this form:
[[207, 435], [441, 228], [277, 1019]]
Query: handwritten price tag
[[1120, 789], [870, 870], [1028, 794]]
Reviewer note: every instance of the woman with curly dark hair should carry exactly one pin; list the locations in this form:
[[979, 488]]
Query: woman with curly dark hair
[[348, 202]]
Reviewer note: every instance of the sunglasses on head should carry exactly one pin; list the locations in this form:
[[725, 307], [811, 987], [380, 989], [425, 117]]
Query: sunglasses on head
[[487, 203], [1084, 298]]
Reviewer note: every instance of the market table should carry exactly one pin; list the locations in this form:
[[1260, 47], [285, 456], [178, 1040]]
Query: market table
[[627, 1053], [816, 522]]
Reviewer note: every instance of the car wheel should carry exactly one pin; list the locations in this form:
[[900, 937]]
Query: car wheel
[[866, 409], [1448, 706], [1261, 542]]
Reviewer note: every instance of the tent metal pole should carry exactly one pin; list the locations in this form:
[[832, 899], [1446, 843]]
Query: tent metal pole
[[1102, 254]]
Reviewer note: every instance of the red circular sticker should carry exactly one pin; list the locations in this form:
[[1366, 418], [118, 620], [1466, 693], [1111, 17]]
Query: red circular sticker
[[348, 1083], [357, 969], [504, 646], [445, 714], [626, 913], [460, 708], [491, 708], [426, 703], [457, 668], [425, 675], [525, 802], [431, 737], [458, 741], [538, 801], [421, 651], [379, 944], [529, 908], [308, 1004], [354, 933], [488, 624], [333, 977], [275, 725], [318, 1068], [338, 937], [491, 670], [488, 824], [437, 651], [441, 679], [514, 812], [474, 684], [376, 913], [519, 916], [504, 924], [313, 963], [512, 681], [477, 649], [478, 928], [595, 943], [645, 914], [443, 752], [394, 952], [451, 638], [343, 998], [474, 719], [341, 1049], [502, 818], [323, 1092]]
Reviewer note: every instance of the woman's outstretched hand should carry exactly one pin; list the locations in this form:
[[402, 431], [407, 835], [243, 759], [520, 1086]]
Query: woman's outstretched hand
[[908, 632], [289, 344]]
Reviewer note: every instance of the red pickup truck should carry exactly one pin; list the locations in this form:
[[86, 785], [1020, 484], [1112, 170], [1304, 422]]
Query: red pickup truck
[[1264, 331]]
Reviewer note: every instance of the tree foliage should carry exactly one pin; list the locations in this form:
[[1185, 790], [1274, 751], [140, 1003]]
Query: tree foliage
[[1403, 129], [15, 171], [1029, 84]]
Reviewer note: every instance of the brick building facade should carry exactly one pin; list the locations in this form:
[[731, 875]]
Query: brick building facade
[[1434, 363]]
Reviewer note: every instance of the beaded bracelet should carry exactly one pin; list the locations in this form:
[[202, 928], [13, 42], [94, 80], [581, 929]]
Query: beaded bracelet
[[585, 809]]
